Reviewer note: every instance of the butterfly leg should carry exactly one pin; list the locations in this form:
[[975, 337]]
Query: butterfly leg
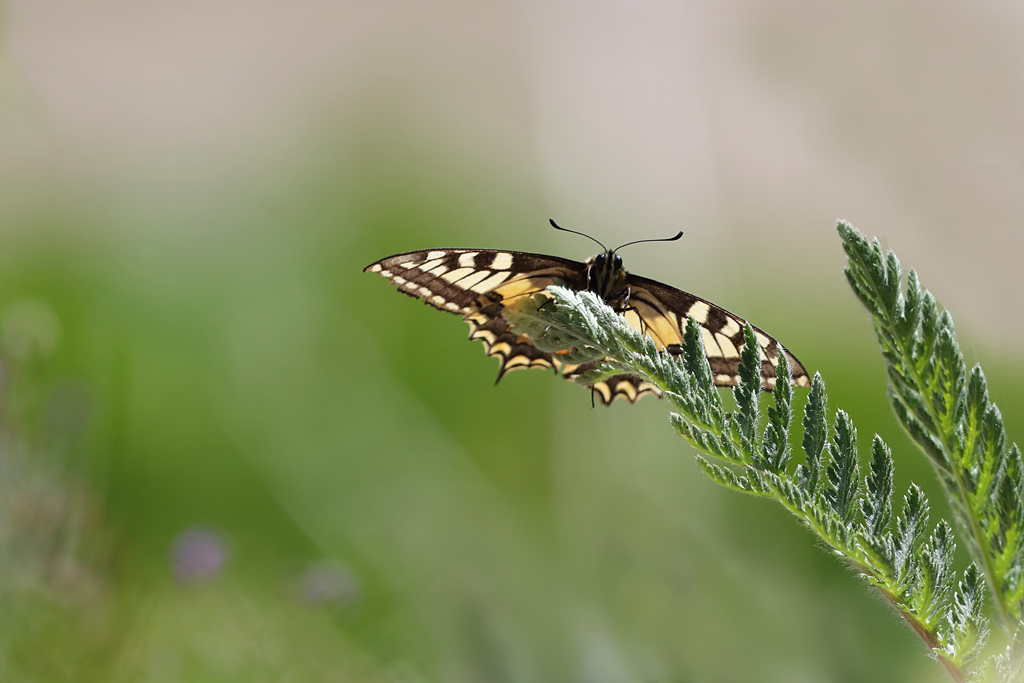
[[643, 323], [625, 308], [549, 301], [614, 300]]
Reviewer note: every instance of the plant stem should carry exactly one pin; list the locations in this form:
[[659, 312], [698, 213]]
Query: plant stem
[[951, 667]]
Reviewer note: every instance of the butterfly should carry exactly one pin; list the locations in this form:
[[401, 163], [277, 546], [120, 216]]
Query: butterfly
[[479, 284]]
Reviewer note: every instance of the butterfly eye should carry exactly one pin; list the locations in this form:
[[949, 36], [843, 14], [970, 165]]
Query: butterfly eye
[[599, 261], [617, 263]]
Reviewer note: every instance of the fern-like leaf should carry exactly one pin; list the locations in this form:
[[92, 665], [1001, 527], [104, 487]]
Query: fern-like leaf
[[948, 412], [853, 517]]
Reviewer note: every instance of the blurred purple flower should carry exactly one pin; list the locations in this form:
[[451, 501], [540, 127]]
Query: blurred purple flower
[[325, 584], [199, 554]]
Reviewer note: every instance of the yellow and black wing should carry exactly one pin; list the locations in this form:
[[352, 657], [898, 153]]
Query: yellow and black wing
[[663, 311], [660, 312]]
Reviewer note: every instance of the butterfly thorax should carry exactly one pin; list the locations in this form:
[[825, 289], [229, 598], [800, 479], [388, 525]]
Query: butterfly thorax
[[607, 278]]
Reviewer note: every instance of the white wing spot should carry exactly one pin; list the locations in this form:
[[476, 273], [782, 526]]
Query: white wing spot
[[468, 260], [375, 268], [724, 379], [457, 274], [490, 283], [438, 270], [647, 386], [728, 349], [762, 339], [473, 279], [699, 311], [424, 292], [427, 265], [436, 299], [399, 280], [710, 345], [517, 361], [730, 328], [452, 306], [503, 348], [385, 273], [484, 334], [502, 261], [436, 254]]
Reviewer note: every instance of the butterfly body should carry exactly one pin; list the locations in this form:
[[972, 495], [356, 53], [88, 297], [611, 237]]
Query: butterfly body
[[479, 284], [606, 277]]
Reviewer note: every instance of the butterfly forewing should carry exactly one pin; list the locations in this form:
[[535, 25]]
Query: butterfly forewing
[[479, 284], [664, 311]]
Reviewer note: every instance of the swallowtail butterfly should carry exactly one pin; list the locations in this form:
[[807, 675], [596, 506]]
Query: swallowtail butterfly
[[479, 284]]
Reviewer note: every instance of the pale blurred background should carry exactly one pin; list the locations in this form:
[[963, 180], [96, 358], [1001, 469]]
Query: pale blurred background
[[228, 455]]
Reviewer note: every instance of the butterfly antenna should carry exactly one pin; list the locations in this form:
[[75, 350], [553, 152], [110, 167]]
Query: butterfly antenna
[[661, 239], [556, 226]]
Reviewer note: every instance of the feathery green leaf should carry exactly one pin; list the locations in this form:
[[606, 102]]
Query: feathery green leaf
[[815, 424], [842, 468], [877, 505]]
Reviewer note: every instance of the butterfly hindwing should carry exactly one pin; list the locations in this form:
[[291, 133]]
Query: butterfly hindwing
[[514, 351], [629, 387]]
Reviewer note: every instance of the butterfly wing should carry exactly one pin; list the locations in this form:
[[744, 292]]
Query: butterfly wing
[[478, 284], [661, 311]]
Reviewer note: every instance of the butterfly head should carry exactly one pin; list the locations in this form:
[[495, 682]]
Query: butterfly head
[[605, 275]]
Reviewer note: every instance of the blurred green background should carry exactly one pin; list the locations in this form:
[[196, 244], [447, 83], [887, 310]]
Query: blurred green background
[[226, 454]]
